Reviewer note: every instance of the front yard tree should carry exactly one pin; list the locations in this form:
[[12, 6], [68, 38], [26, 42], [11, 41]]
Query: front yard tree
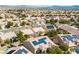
[[64, 47], [9, 24], [20, 36], [54, 50]]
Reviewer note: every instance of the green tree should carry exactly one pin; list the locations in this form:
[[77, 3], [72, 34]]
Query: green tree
[[26, 36], [0, 27], [51, 21], [16, 25], [51, 33], [65, 32], [54, 50], [76, 24], [58, 31], [7, 41], [72, 20], [64, 47], [20, 36], [23, 23], [9, 24], [1, 17], [62, 21]]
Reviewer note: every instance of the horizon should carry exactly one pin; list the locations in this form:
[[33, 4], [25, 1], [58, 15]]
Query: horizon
[[39, 5], [39, 2]]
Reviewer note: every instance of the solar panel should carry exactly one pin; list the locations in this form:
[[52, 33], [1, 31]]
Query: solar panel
[[77, 49], [65, 39], [10, 52], [20, 51], [75, 36], [69, 37]]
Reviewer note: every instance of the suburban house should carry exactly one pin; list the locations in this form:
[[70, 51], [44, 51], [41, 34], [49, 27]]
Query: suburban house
[[18, 50], [27, 31], [7, 35], [38, 29], [70, 29], [41, 43], [71, 39]]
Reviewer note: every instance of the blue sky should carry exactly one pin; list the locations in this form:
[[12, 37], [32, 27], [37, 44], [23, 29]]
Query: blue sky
[[39, 2]]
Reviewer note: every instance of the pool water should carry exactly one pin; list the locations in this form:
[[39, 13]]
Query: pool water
[[50, 27], [40, 41]]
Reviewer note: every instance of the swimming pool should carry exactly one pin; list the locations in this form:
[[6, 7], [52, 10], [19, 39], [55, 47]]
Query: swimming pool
[[40, 41], [50, 27]]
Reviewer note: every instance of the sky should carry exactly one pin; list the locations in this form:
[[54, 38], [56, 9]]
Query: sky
[[39, 2]]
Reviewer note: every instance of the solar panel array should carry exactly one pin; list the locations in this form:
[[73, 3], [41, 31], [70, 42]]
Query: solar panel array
[[20, 51], [70, 37]]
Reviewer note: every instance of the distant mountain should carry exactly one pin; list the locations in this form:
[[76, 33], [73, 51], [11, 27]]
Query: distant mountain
[[48, 7], [22, 6], [64, 7]]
